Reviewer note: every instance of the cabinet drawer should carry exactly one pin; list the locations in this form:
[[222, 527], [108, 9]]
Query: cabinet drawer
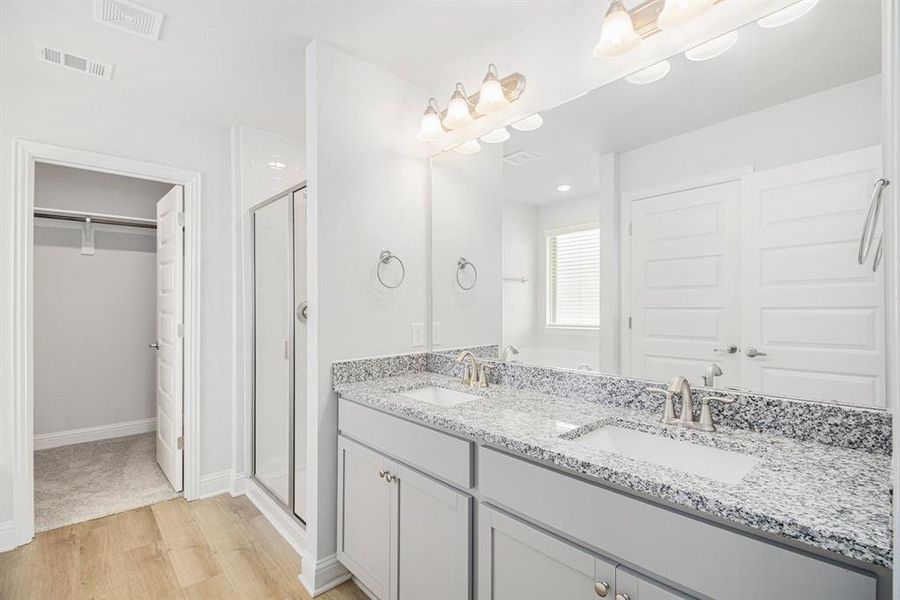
[[438, 454], [712, 560]]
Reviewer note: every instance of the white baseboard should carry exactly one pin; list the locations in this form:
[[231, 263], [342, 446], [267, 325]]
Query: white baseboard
[[363, 587], [285, 524], [215, 484], [238, 484], [319, 576], [43, 441]]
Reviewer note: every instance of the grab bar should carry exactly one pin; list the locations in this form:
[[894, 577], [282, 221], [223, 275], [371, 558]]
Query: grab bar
[[868, 232]]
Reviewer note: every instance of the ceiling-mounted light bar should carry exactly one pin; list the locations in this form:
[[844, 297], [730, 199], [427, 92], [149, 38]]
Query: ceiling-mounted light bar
[[462, 110]]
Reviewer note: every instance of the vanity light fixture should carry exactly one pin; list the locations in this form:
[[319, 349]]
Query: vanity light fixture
[[491, 97], [651, 74], [431, 129], [617, 35], [563, 188], [676, 13], [529, 123], [713, 48], [787, 15], [462, 110], [496, 136], [458, 110], [470, 147]]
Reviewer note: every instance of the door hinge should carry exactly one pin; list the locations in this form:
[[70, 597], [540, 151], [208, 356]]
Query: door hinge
[[629, 322], [180, 442], [179, 330], [629, 228], [179, 219]]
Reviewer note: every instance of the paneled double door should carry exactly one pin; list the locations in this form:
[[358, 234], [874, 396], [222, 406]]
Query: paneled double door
[[759, 275]]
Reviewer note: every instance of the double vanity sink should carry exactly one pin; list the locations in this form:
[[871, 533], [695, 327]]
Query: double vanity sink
[[577, 491], [658, 449]]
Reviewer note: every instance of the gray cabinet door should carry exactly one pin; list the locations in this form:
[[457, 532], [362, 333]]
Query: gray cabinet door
[[631, 586], [517, 561], [364, 516], [434, 549]]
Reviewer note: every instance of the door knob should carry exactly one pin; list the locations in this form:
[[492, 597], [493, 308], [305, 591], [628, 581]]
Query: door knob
[[752, 352], [602, 588], [154, 345], [303, 312], [730, 349]]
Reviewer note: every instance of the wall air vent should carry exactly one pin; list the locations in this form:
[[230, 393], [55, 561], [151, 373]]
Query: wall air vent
[[67, 60], [519, 158], [130, 17]]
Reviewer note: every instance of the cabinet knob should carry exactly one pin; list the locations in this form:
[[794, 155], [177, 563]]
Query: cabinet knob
[[389, 477], [602, 588], [623, 597], [382, 473]]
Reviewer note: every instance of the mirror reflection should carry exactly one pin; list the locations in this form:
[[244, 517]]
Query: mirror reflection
[[704, 222]]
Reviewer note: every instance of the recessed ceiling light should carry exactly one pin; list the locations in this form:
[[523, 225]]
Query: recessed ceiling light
[[651, 74], [713, 48], [496, 136], [470, 147], [564, 187], [787, 15], [529, 123]]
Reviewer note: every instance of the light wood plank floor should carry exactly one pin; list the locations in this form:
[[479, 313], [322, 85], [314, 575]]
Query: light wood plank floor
[[220, 547]]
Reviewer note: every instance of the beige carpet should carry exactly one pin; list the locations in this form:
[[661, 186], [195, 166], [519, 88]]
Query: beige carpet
[[86, 481]]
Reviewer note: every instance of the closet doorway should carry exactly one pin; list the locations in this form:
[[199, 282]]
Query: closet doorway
[[108, 297], [278, 432], [105, 409]]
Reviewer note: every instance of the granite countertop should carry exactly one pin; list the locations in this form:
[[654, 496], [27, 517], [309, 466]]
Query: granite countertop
[[832, 498]]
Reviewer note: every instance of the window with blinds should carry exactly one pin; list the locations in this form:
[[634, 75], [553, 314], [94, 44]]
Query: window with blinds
[[573, 277]]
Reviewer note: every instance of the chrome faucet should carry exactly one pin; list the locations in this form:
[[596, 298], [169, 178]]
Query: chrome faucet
[[470, 368], [680, 385], [712, 371], [510, 349]]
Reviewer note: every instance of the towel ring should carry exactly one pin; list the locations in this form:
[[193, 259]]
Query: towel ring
[[384, 258], [461, 264]]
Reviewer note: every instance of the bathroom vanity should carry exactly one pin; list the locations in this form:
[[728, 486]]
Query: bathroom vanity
[[448, 491]]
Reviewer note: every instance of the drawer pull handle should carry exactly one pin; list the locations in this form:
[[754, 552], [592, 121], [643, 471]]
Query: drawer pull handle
[[623, 597], [602, 588]]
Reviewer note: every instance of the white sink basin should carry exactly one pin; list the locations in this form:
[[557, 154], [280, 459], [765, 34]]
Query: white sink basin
[[722, 465], [439, 396]]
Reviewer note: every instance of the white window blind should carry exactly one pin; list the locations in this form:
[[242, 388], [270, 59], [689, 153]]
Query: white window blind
[[573, 277]]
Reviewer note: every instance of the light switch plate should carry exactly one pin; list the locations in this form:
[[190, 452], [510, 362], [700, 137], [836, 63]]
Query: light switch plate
[[418, 335], [436, 333]]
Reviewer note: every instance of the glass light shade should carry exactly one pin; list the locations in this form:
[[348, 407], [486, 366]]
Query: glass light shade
[[470, 147], [529, 123], [713, 48], [680, 12], [497, 136], [458, 114], [787, 15], [431, 129], [617, 36], [491, 98], [651, 74]]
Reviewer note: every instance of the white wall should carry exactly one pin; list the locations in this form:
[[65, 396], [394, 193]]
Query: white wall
[[520, 259], [31, 108], [368, 190], [94, 316], [467, 212], [836, 120]]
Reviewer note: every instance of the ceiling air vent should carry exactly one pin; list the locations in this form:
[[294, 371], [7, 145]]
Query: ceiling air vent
[[67, 60], [129, 17], [519, 158]]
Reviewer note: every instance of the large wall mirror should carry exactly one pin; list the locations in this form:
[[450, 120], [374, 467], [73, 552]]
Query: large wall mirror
[[703, 223]]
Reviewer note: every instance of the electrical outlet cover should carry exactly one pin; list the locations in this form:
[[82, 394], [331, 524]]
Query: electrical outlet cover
[[436, 333], [418, 335]]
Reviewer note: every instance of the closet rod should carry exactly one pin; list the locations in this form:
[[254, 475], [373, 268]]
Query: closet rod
[[99, 219]]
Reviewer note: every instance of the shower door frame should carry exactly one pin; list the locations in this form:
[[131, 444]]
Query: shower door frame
[[288, 194]]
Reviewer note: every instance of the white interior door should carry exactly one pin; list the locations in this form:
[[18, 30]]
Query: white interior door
[[170, 335], [816, 314], [684, 284]]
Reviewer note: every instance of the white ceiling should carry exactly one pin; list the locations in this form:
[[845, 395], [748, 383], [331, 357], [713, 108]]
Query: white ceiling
[[838, 42], [242, 61]]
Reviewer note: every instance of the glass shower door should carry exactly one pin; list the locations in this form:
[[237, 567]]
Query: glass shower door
[[273, 341]]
